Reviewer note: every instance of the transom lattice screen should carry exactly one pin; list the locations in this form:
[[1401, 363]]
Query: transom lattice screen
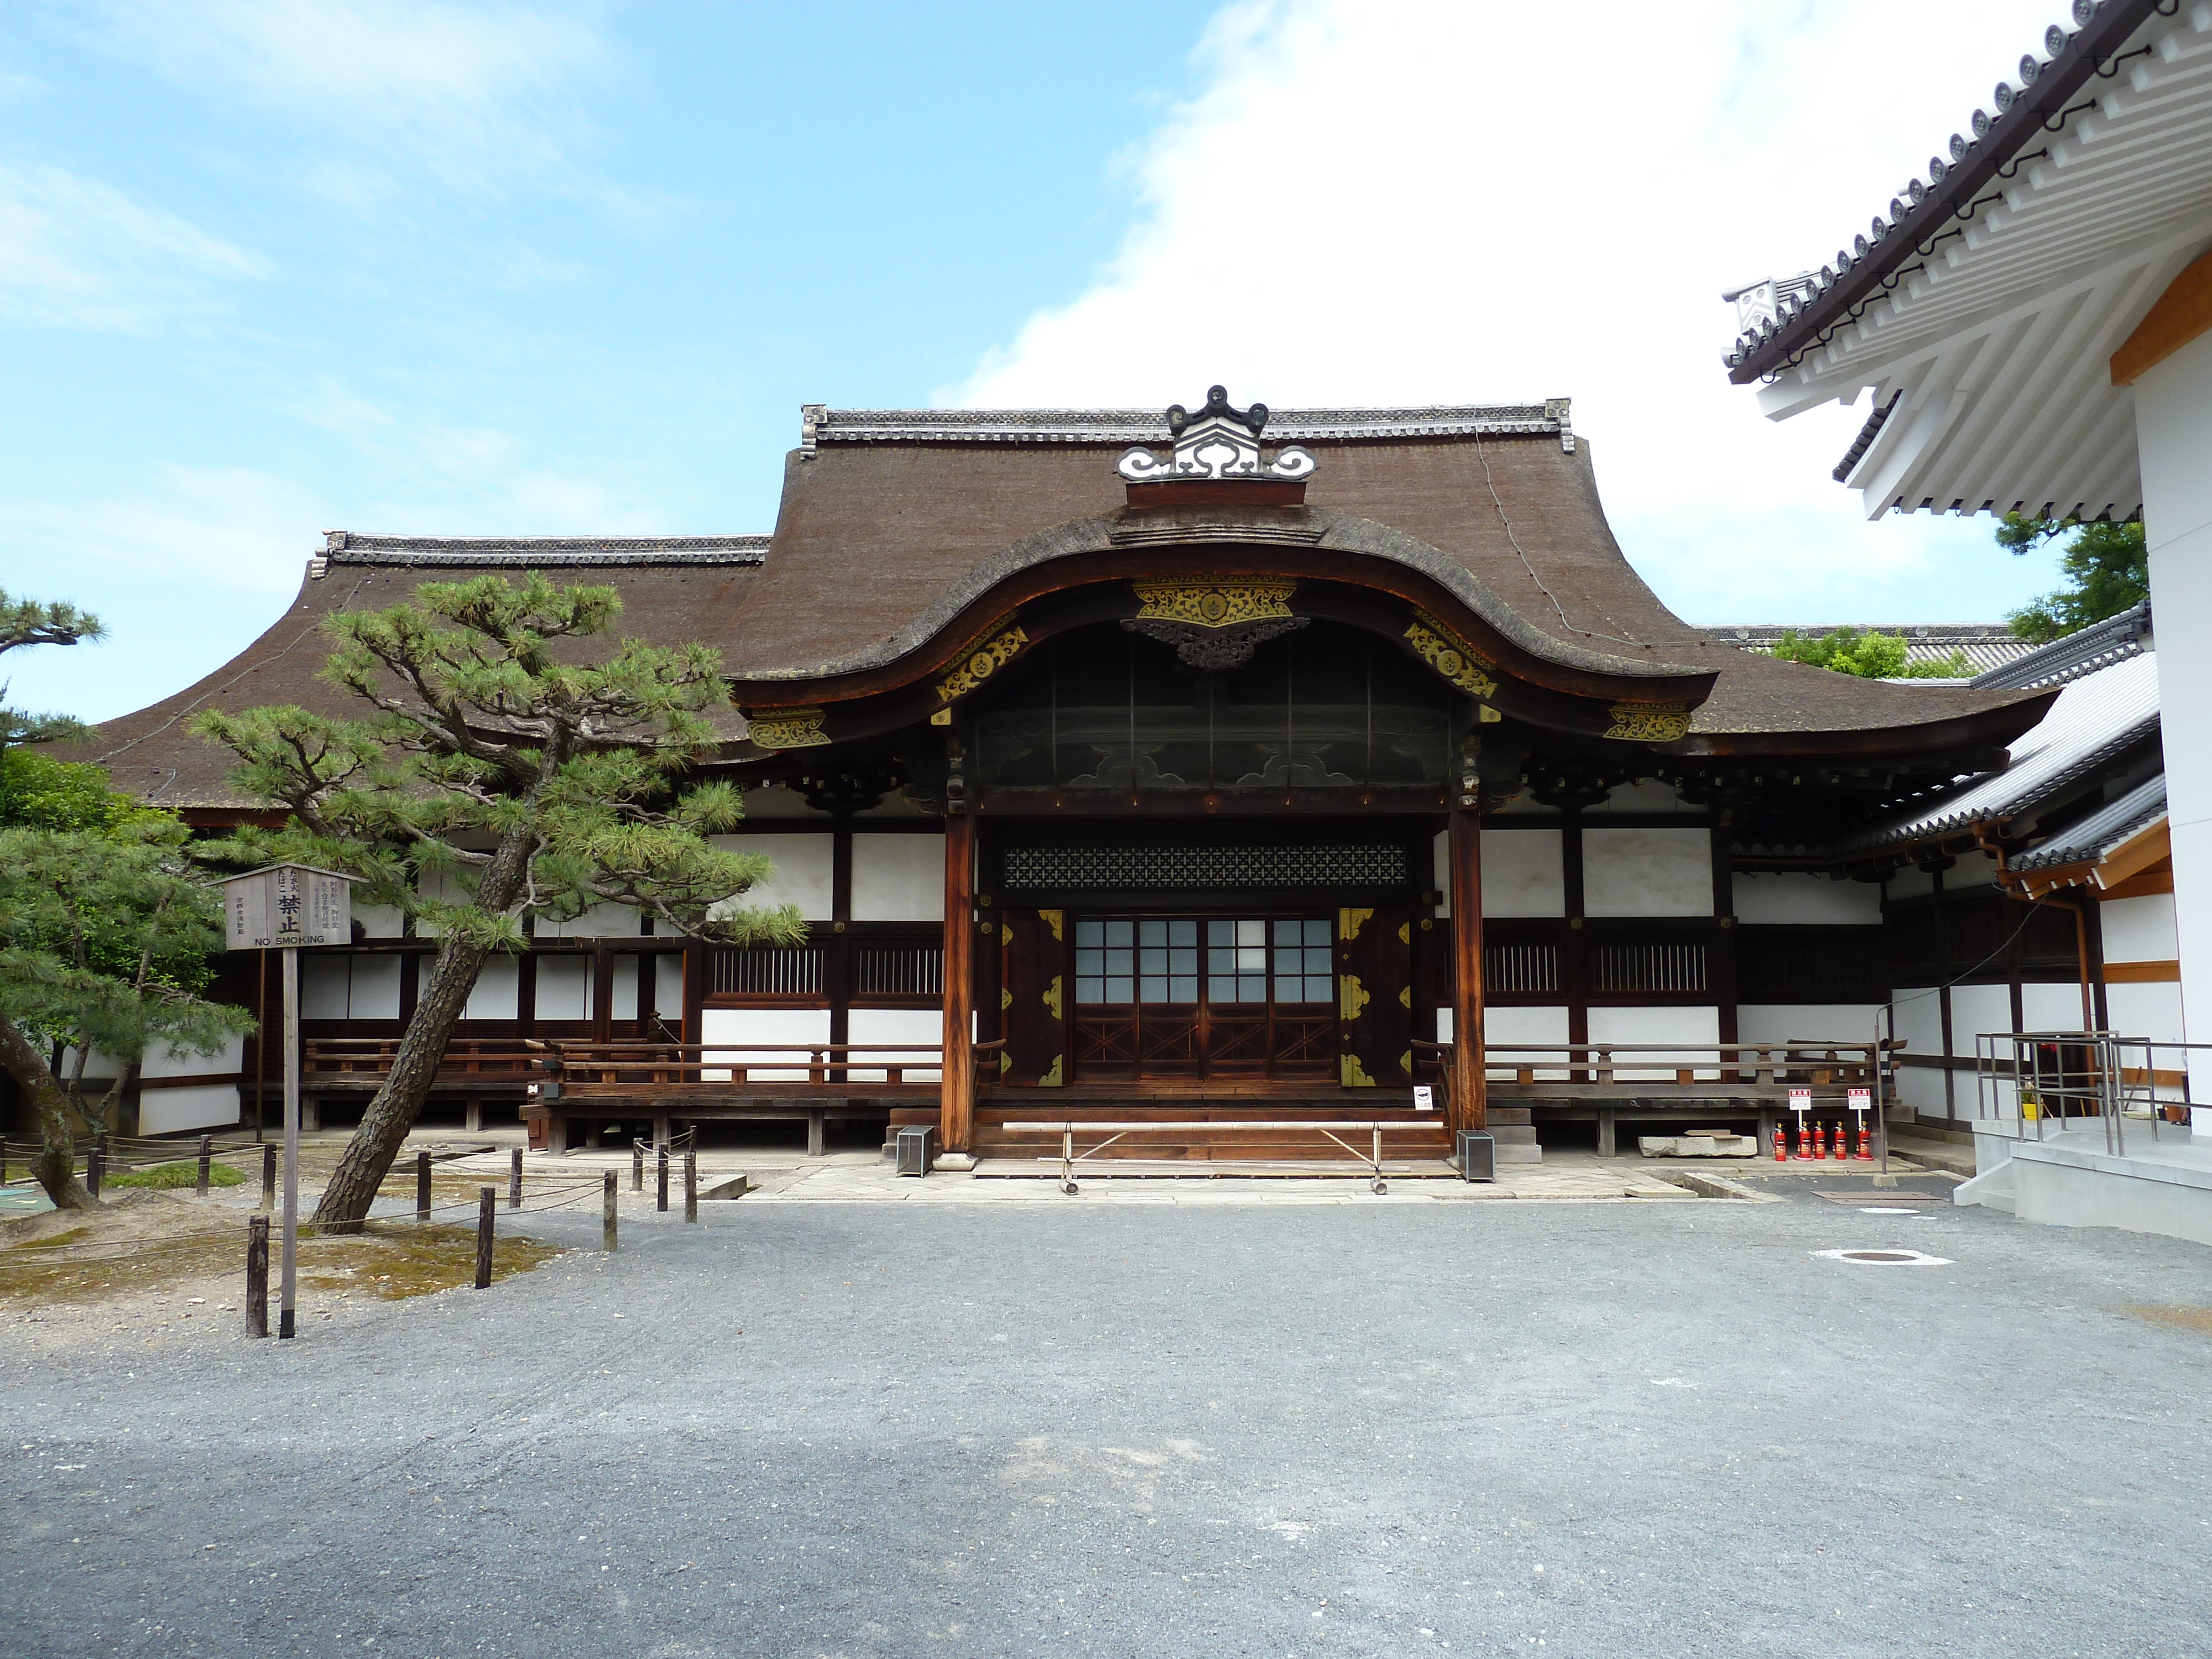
[[1519, 970], [899, 971], [768, 970], [1615, 968], [1156, 869]]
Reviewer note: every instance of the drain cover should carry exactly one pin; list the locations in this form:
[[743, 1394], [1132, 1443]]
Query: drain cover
[[1886, 1258]]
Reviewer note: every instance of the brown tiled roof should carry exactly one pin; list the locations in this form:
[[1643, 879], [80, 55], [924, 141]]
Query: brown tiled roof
[[668, 586], [886, 520]]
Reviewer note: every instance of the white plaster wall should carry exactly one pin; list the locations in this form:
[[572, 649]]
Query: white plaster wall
[[374, 988], [1826, 1022], [2140, 929], [1911, 882], [1977, 1008], [1790, 896], [748, 1026], [1645, 795], [1688, 1026], [1920, 1088], [324, 986], [1503, 1027], [1647, 873], [599, 921], [801, 876], [564, 989], [1971, 870], [496, 994], [625, 988], [923, 1027], [1440, 869], [1917, 1016], [162, 1062], [898, 878], [166, 1111], [379, 920], [2153, 1011], [668, 988], [1522, 873], [2053, 1008]]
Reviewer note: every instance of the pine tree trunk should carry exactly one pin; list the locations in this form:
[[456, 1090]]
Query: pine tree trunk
[[57, 1162], [385, 1125]]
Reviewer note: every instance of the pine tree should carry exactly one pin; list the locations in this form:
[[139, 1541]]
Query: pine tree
[[510, 762], [2107, 566]]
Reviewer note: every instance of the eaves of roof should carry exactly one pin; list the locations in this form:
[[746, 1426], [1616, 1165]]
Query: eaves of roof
[[2110, 826], [346, 547], [820, 425], [2079, 654], [1953, 194]]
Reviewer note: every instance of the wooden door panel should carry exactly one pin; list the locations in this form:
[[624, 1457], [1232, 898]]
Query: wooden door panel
[[1375, 998], [1034, 997]]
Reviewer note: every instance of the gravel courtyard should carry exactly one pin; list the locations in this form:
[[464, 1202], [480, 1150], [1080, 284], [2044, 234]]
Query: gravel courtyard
[[1274, 1428]]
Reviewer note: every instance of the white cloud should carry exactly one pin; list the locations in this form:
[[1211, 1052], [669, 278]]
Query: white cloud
[[79, 253], [1376, 201], [227, 527], [475, 93]]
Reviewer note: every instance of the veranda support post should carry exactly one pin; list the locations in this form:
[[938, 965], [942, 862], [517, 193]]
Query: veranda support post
[[1469, 1101], [957, 1109]]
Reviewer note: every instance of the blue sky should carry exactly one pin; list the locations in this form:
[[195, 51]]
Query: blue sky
[[402, 265]]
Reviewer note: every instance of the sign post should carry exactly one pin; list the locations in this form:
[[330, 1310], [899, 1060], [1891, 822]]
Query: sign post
[[287, 907], [1800, 1102]]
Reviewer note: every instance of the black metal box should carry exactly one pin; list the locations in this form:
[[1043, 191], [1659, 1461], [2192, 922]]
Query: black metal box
[[1478, 1156], [916, 1147]]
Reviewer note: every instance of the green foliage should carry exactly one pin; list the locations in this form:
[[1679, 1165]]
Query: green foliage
[[2107, 566], [34, 622], [167, 1177], [497, 775], [105, 937], [38, 791], [1870, 656]]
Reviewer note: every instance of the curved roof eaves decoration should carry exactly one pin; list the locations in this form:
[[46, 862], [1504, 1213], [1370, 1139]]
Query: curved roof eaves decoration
[[1337, 533], [821, 425], [518, 552], [1954, 193]]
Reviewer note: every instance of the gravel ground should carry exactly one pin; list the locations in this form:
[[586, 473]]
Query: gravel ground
[[1603, 1429]]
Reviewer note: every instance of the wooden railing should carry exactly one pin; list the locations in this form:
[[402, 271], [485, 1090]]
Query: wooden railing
[[364, 1061], [1603, 1065], [594, 1070]]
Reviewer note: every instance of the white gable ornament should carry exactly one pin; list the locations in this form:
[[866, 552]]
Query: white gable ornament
[[1217, 442]]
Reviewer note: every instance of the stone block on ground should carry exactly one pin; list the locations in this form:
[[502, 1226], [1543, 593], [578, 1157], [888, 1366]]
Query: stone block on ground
[[1697, 1145]]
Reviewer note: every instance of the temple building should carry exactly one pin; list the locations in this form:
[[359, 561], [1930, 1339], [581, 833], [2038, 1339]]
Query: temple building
[[1216, 762]]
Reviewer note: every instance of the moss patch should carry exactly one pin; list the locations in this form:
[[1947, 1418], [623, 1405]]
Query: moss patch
[[168, 1177]]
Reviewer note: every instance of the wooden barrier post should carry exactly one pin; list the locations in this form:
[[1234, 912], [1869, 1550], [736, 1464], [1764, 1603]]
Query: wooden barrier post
[[268, 1175], [207, 1162], [514, 1180], [92, 1171], [690, 1183], [636, 1167], [256, 1274], [487, 1208], [422, 1186], [607, 1214], [662, 1205]]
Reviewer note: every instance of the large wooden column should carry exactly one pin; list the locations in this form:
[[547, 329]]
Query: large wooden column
[[956, 1113], [1469, 1104]]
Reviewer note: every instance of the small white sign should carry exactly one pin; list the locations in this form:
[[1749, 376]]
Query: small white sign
[[1861, 1099], [1801, 1100], [285, 907], [1425, 1097]]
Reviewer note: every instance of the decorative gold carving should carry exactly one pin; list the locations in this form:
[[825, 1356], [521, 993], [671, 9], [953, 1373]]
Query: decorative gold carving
[[1351, 996], [1348, 924], [1054, 1079], [787, 728], [1405, 1062], [982, 663], [1053, 920], [1006, 1062], [1451, 656], [1649, 722], [1204, 606], [1406, 998], [1005, 998], [1406, 935], [1054, 999], [1351, 1074]]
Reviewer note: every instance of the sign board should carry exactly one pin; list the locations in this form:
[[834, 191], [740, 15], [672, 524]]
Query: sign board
[[1801, 1100], [1861, 1099], [287, 906], [1425, 1097]]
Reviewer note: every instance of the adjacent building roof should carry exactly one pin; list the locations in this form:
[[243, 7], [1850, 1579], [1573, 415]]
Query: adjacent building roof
[[1985, 646], [2112, 825], [2083, 652], [1982, 305], [2096, 720]]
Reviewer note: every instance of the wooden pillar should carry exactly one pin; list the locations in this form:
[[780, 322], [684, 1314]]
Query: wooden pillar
[[956, 1112], [603, 994], [1469, 1104]]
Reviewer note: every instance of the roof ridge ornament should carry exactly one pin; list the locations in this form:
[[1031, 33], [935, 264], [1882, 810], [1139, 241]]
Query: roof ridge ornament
[[1220, 441]]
